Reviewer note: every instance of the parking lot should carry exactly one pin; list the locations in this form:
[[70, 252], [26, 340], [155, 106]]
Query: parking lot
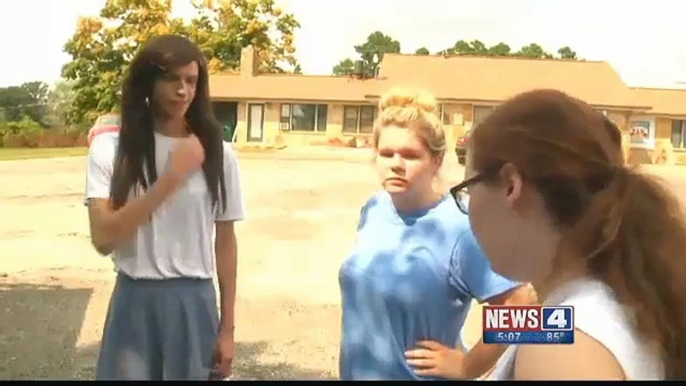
[[302, 214]]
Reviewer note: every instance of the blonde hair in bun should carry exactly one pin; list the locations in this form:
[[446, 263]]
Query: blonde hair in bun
[[415, 110]]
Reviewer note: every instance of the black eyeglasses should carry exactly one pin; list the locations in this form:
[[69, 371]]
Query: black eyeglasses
[[460, 191]]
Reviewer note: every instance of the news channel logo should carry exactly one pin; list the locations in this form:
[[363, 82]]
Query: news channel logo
[[528, 325]]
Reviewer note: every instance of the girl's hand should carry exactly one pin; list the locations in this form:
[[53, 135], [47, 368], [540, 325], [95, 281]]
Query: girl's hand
[[433, 359]]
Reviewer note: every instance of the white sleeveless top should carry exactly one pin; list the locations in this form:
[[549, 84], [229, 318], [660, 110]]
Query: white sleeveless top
[[599, 315]]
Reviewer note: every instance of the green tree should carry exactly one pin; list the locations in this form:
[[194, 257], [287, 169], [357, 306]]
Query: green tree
[[37, 90], [478, 47], [463, 47], [373, 50], [28, 101], [344, 67], [371, 53], [567, 53], [500, 49], [37, 109], [12, 102], [223, 27], [102, 47], [422, 51], [533, 50], [59, 102]]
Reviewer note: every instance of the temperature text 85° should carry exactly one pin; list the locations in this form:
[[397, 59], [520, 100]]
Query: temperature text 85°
[[555, 336]]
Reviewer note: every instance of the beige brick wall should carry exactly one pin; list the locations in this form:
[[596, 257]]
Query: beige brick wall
[[459, 120]]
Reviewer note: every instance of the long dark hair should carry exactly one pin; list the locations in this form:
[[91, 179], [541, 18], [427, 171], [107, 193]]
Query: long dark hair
[[136, 152]]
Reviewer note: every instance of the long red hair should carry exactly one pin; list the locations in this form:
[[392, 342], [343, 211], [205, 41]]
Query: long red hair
[[629, 229]]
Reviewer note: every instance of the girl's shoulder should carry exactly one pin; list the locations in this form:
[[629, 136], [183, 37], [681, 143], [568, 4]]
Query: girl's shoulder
[[599, 315]]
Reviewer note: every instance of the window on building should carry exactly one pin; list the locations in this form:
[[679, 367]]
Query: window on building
[[285, 122], [679, 134], [350, 118], [642, 131], [322, 116], [443, 116], [359, 119], [481, 113], [303, 117]]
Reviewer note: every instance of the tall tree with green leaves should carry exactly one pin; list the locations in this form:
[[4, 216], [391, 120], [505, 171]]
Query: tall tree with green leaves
[[567, 53], [28, 101], [500, 49], [373, 50], [223, 27], [37, 110], [13, 100], [102, 47], [463, 47], [60, 100], [370, 53], [344, 67], [533, 50]]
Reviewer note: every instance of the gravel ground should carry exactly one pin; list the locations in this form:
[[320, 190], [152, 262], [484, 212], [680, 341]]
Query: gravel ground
[[54, 288]]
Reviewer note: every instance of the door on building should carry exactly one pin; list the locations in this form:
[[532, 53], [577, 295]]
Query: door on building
[[227, 115], [255, 122]]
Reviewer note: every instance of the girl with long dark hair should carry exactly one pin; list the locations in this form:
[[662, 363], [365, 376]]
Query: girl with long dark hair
[[155, 197]]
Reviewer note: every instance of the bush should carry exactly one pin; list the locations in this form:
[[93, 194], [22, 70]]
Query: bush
[[22, 133], [26, 133], [25, 126], [63, 138]]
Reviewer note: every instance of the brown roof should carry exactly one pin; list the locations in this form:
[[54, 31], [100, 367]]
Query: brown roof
[[492, 79], [293, 87], [456, 78], [664, 101]]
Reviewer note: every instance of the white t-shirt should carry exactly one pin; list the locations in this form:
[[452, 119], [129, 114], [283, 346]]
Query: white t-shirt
[[599, 315], [178, 242]]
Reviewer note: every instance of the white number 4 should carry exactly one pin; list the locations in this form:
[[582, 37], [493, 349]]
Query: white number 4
[[557, 319]]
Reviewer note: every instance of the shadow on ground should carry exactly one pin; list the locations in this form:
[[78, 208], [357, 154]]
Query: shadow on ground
[[248, 365], [39, 327]]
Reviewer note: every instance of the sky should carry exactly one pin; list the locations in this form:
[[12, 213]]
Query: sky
[[637, 37]]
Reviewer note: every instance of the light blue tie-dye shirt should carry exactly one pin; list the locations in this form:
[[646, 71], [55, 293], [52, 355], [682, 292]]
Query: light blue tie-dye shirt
[[409, 278]]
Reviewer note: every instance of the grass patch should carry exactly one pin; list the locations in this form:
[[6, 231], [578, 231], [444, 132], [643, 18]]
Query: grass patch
[[7, 154]]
